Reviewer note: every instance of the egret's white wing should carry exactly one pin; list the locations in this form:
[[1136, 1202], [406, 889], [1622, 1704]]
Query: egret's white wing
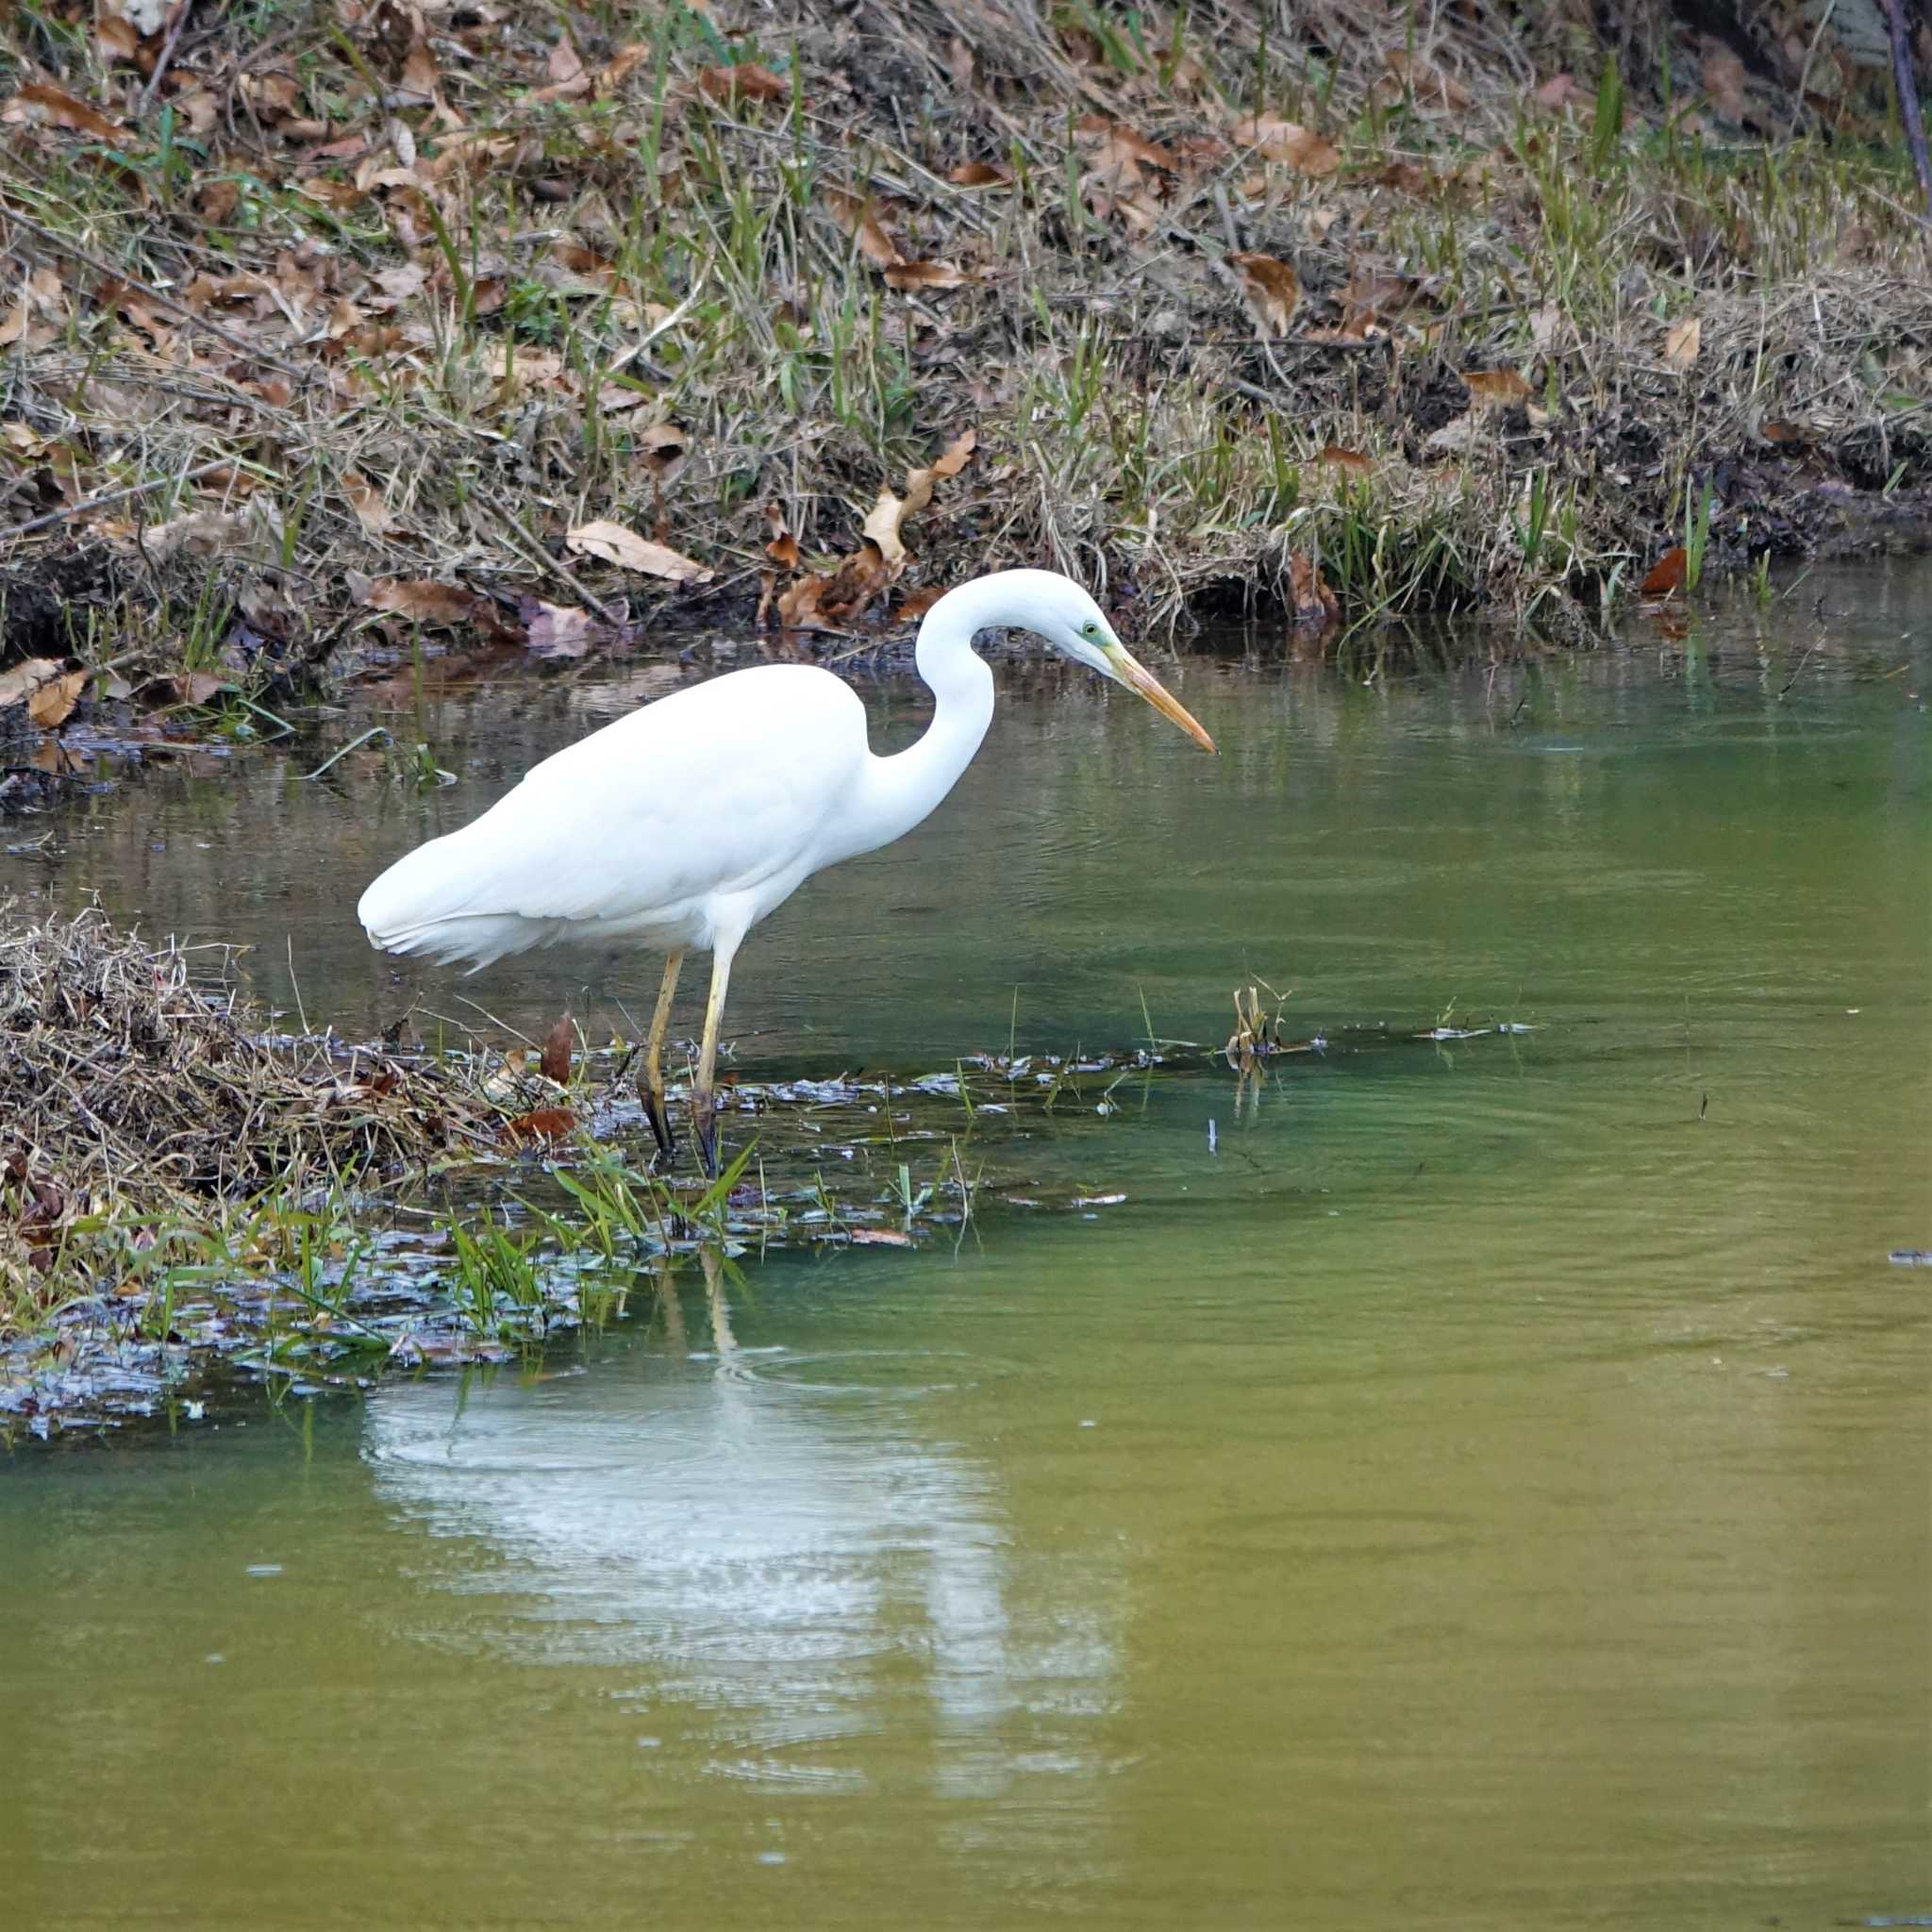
[[710, 789]]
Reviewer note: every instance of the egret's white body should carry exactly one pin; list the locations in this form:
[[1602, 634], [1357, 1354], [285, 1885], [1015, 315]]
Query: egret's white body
[[686, 822]]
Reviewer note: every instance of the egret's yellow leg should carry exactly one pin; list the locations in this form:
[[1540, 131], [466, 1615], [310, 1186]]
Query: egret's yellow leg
[[653, 1057], [703, 1108]]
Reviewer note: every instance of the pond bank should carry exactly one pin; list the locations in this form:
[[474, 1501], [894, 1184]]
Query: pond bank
[[536, 342]]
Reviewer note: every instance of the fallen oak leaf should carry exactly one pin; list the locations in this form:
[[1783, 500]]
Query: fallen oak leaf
[[981, 174], [853, 214], [889, 514], [185, 688], [662, 448], [53, 703], [38, 104], [422, 601], [1408, 177], [1273, 289], [783, 547], [957, 454], [925, 275], [1370, 296], [1667, 575], [23, 679], [616, 544], [371, 510], [746, 83], [1313, 601], [1682, 342], [1495, 388], [1276, 139], [556, 630], [1353, 461], [539, 1123], [1118, 142], [918, 603]]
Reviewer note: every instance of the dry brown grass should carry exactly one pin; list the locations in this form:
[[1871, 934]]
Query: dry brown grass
[[139, 1095]]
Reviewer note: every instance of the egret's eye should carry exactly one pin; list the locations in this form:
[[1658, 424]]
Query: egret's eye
[[1091, 630]]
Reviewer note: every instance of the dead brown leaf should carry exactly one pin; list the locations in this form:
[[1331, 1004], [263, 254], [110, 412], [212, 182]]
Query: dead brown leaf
[[40, 104], [1408, 177], [925, 275], [820, 603], [1369, 296], [1353, 461], [919, 602], [616, 544], [1313, 602], [1667, 575], [1273, 289], [662, 448], [889, 512], [1277, 139], [116, 38], [745, 82], [1682, 342], [1116, 141], [424, 601], [981, 174], [53, 703], [23, 679], [783, 547], [1495, 388], [853, 214], [539, 1123], [185, 688], [556, 630], [1546, 326], [372, 509]]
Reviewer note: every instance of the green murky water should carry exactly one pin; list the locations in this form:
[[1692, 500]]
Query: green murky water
[[1477, 1491]]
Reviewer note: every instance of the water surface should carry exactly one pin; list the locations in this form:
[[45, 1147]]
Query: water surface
[[1482, 1486]]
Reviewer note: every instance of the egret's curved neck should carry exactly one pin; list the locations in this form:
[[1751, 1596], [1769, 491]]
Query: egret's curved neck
[[901, 791]]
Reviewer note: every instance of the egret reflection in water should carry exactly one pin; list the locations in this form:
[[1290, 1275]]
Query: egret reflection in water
[[776, 1552]]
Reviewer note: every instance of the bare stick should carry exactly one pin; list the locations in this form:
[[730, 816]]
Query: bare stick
[[107, 496], [1908, 99], [182, 10]]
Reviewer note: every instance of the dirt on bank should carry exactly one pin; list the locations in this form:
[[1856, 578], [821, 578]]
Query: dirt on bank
[[382, 321]]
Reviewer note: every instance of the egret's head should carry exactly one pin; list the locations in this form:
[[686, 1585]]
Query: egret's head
[[1059, 610]]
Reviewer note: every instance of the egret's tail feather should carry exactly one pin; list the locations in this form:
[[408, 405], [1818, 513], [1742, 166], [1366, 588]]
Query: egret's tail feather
[[479, 937]]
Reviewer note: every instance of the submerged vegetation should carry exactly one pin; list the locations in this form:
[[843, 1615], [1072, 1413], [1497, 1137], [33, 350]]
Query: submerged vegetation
[[334, 325], [180, 1187]]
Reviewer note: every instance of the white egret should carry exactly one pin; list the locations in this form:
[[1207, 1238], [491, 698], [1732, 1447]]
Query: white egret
[[686, 822]]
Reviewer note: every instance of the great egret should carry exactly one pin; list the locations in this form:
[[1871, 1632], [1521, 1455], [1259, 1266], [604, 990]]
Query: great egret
[[686, 822]]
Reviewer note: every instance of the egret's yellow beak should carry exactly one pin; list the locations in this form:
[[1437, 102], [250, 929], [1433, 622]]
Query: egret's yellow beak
[[1127, 670]]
